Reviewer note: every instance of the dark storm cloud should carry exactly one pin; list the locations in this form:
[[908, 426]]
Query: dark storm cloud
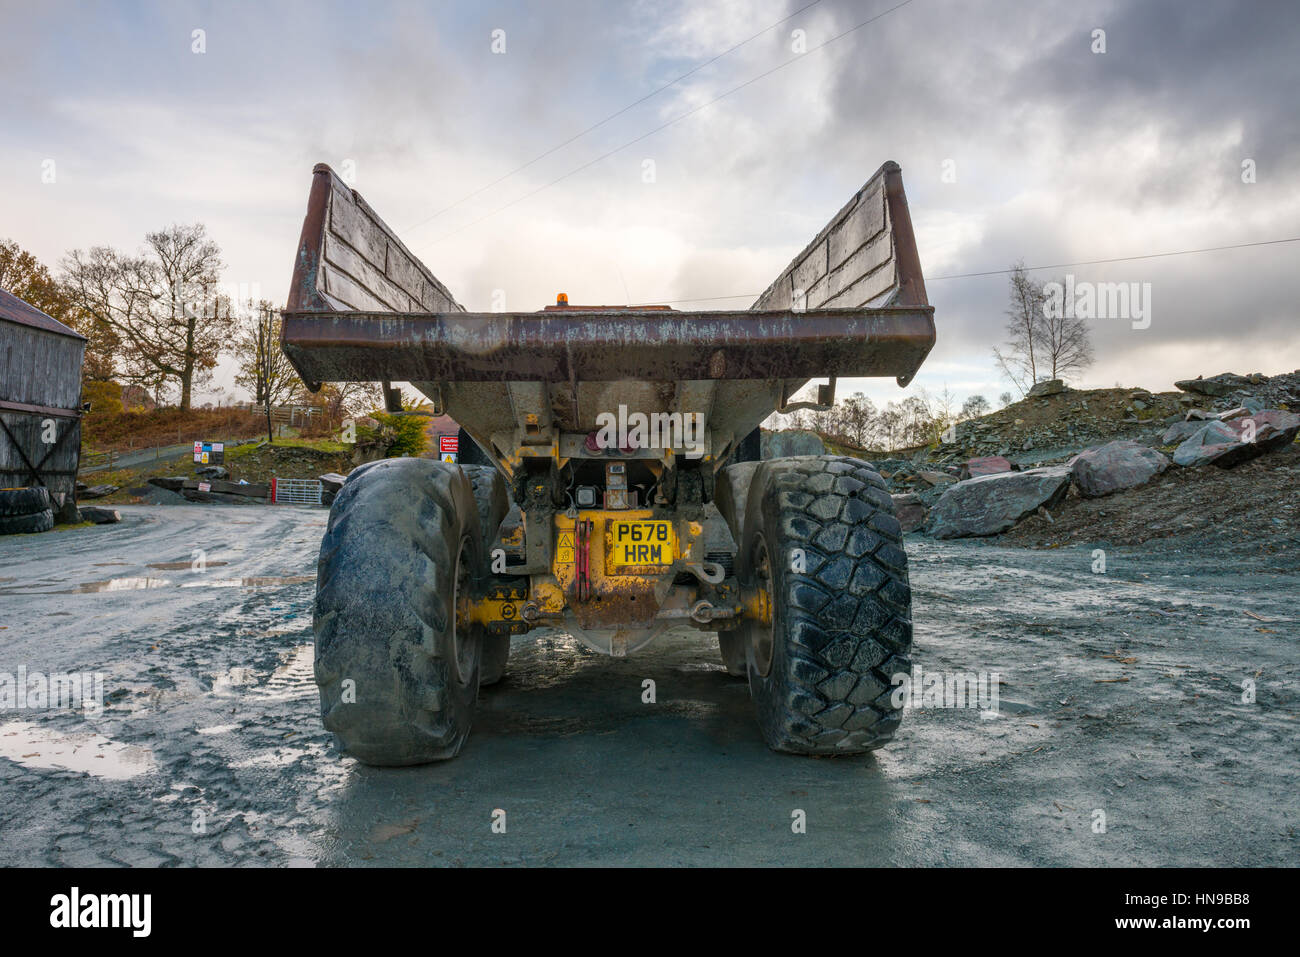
[[1191, 64], [1064, 154]]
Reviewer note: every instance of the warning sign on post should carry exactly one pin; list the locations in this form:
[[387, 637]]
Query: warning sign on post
[[448, 448], [210, 453]]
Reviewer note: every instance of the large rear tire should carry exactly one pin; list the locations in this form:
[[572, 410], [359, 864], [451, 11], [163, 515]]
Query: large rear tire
[[730, 492], [821, 537], [493, 506], [398, 680]]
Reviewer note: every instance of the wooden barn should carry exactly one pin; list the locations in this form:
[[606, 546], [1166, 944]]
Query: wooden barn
[[40, 401]]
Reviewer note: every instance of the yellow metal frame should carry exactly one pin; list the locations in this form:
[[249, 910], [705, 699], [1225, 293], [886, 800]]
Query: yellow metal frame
[[615, 589]]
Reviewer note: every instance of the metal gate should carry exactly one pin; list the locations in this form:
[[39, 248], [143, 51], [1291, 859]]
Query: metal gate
[[285, 491]]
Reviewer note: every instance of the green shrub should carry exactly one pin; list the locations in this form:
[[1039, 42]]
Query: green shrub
[[408, 435]]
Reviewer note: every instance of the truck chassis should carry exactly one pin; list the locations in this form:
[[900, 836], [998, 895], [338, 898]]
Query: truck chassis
[[558, 515]]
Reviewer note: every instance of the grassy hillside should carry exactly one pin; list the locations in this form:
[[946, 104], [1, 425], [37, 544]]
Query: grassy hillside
[[121, 431]]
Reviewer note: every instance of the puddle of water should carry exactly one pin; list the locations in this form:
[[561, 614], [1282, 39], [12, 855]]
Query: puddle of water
[[36, 747], [119, 584], [219, 729], [255, 582], [266, 760], [136, 584]]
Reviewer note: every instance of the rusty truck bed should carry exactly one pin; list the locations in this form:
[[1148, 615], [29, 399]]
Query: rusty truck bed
[[615, 344], [362, 307]]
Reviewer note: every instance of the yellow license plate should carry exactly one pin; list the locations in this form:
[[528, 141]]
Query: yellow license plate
[[639, 544]]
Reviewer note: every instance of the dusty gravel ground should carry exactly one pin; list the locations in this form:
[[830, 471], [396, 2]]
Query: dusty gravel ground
[[1121, 695]]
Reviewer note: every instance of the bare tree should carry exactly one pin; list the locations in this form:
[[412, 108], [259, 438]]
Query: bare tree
[[1065, 342], [164, 305], [943, 413], [889, 426], [917, 419], [264, 370], [857, 419], [1042, 341], [799, 419], [351, 398], [823, 420], [974, 407], [1019, 361]]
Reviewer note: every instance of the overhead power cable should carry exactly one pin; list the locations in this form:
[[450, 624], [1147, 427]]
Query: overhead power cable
[[1007, 272]]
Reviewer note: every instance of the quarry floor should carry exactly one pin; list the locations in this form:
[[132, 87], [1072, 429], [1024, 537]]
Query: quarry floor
[[1147, 715]]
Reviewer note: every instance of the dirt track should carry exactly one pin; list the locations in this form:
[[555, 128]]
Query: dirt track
[[1121, 693]]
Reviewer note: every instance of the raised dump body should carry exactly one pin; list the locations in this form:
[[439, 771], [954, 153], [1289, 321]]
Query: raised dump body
[[627, 438], [362, 308]]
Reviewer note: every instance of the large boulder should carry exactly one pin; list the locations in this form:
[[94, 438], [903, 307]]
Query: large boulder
[[991, 504], [935, 478], [1046, 387], [1115, 466], [330, 484], [100, 515], [65, 510], [1181, 431], [332, 481], [986, 465], [1230, 443], [1274, 428], [910, 511], [1225, 383], [237, 493], [778, 445], [157, 495], [96, 491], [1207, 443]]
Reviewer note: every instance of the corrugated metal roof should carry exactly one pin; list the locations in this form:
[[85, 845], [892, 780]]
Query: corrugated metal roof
[[14, 309]]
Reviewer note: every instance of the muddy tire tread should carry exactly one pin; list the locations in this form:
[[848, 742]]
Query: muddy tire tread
[[848, 627], [382, 613], [493, 504]]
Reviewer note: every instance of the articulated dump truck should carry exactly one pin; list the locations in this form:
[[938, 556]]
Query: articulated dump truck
[[610, 484]]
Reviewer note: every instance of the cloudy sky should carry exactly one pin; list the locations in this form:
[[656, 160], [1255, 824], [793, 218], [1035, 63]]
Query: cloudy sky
[[1056, 153]]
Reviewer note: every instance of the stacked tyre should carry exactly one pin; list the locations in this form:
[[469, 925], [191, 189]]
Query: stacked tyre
[[25, 510]]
